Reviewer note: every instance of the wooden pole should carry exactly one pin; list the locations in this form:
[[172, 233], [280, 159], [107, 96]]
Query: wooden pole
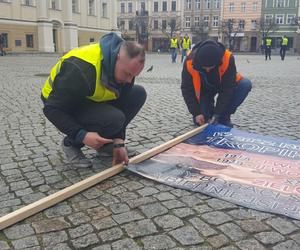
[[46, 202]]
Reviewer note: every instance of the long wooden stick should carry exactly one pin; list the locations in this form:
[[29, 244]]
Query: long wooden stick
[[65, 193]]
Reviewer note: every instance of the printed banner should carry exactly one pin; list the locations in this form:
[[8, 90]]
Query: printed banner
[[251, 170]]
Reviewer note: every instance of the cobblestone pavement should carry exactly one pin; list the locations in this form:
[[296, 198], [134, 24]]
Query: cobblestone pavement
[[128, 211]]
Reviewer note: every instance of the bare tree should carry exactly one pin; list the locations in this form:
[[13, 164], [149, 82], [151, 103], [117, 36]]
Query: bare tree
[[172, 25], [201, 30], [267, 26], [230, 29]]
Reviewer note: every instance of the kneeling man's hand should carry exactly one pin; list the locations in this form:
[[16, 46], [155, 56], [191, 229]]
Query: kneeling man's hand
[[94, 140]]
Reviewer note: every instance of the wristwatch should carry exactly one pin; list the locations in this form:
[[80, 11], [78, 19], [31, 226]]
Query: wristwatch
[[119, 145]]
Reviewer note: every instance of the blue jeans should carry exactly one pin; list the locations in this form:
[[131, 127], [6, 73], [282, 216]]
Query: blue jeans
[[173, 54], [207, 101], [183, 54]]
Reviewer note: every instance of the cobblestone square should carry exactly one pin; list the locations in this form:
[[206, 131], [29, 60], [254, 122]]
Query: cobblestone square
[[128, 211]]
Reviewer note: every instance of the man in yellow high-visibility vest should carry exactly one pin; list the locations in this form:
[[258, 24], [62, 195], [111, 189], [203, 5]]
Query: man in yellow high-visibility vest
[[268, 46], [174, 45], [283, 47], [185, 46]]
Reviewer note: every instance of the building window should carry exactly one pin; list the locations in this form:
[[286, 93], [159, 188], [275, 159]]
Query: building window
[[122, 8], [268, 19], [164, 6], [216, 21], [29, 41], [187, 22], [197, 4], [280, 3], [207, 4], [188, 4], [27, 2], [104, 10], [242, 24], [231, 7], [130, 25], [55, 4], [143, 7], [75, 6], [155, 24], [253, 24], [173, 6], [129, 7], [197, 21], [243, 7], [155, 7], [290, 19], [217, 4], [164, 24], [279, 19], [254, 6], [91, 7], [18, 43], [206, 20], [5, 39]]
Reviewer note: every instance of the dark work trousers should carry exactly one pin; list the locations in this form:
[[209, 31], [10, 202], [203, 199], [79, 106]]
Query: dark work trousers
[[207, 100], [173, 54], [282, 52], [268, 52], [110, 119]]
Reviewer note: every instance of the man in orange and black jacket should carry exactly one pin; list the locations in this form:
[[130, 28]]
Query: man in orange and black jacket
[[208, 71]]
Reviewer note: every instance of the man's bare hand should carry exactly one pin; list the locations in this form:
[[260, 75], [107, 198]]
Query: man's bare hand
[[120, 156], [95, 141], [200, 119]]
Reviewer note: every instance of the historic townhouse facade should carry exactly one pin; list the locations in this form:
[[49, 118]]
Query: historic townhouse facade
[[245, 16], [54, 25], [284, 14]]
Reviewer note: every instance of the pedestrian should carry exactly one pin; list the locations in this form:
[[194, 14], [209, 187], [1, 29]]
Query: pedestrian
[[174, 45], [283, 47], [210, 71], [185, 46], [90, 96], [268, 47], [2, 45]]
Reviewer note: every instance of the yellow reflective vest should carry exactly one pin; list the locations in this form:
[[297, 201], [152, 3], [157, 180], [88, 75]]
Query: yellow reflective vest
[[268, 42], [91, 54], [284, 41], [174, 43], [186, 43]]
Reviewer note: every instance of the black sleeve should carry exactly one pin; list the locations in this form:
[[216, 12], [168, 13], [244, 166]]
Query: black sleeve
[[188, 92], [70, 88], [227, 88]]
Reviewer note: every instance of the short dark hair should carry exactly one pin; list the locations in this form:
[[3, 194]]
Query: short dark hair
[[133, 49]]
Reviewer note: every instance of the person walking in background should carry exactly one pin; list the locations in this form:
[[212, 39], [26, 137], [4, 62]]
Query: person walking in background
[[2, 44], [268, 46], [185, 46], [90, 96], [210, 71], [283, 47], [174, 45]]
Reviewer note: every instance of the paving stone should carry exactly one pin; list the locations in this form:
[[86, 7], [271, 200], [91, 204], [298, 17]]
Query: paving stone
[[119, 208], [54, 238], [288, 245], [60, 246], [58, 210], [25, 242], [233, 231], [269, 237], [111, 234], [220, 204], [127, 217], [103, 247], [147, 191], [296, 238], [44, 226], [283, 226], [152, 210], [183, 212], [191, 200], [85, 241], [186, 236], [141, 201], [98, 212], [202, 209], [125, 244], [164, 196], [251, 244], [104, 223], [253, 226], [140, 228], [78, 218], [168, 221], [80, 231], [18, 231], [216, 217], [218, 240], [158, 242], [133, 185], [173, 204], [4, 245], [202, 227]]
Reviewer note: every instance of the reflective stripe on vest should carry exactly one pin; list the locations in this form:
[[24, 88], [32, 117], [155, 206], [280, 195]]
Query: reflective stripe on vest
[[222, 69], [284, 41], [173, 43], [91, 54], [186, 43]]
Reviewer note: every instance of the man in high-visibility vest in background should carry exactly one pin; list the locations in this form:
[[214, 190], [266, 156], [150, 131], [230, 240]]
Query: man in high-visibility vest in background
[[210, 71], [174, 45], [90, 96], [283, 47], [268, 47], [185, 46]]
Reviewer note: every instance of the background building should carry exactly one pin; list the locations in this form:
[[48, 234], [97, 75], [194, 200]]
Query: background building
[[54, 25]]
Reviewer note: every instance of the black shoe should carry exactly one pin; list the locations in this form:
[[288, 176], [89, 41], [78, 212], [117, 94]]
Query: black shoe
[[226, 121], [107, 151]]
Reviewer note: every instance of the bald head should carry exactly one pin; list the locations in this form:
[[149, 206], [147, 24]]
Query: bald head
[[130, 61]]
